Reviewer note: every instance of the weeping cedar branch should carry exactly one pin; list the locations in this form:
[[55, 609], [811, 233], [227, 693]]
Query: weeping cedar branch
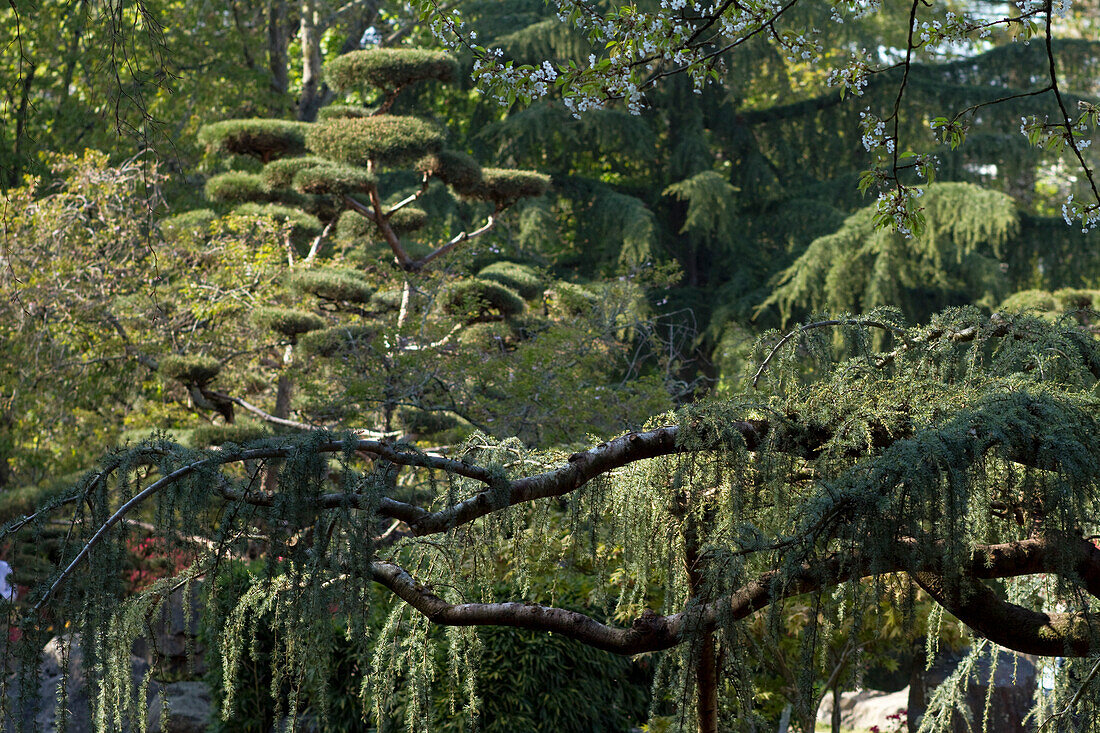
[[960, 591]]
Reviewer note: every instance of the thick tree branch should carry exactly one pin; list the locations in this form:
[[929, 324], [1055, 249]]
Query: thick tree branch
[[1013, 626], [388, 234]]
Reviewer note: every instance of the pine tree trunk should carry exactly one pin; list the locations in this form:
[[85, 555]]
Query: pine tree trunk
[[310, 36], [836, 709]]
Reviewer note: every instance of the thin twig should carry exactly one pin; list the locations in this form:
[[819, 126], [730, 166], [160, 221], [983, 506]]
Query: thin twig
[[824, 324], [1076, 696]]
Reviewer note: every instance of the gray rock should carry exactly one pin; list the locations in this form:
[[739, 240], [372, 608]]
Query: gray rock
[[189, 708], [76, 688], [175, 638], [1012, 695], [865, 708]]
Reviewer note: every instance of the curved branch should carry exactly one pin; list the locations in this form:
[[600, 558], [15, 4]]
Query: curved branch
[[1053, 634], [457, 240], [1072, 634], [824, 324], [580, 468]]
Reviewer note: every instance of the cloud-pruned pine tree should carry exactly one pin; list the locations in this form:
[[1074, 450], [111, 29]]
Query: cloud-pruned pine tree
[[381, 295]]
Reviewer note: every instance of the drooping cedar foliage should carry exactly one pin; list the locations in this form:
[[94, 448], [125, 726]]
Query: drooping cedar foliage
[[956, 452]]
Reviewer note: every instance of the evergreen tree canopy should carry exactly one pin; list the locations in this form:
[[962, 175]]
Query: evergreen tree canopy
[[974, 437]]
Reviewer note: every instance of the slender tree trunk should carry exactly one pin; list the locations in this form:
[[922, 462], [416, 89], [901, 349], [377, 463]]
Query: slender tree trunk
[[785, 719], [72, 55], [310, 36], [283, 389], [276, 46], [706, 666], [16, 171], [836, 709]]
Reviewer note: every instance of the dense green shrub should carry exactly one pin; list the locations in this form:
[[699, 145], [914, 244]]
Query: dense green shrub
[[518, 277], [280, 173], [388, 68], [261, 138], [188, 225], [333, 180], [385, 139], [332, 283], [336, 339], [408, 219], [481, 300], [240, 433], [190, 370], [505, 186], [570, 300], [287, 321], [302, 225], [237, 186], [1025, 300], [453, 168], [336, 111]]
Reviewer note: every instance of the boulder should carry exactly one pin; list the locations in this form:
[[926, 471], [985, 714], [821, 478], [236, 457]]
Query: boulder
[[175, 636], [863, 709], [187, 704], [76, 689], [1013, 681]]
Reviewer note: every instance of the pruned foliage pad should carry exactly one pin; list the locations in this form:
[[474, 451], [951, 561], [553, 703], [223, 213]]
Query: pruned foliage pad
[[197, 370], [382, 140], [388, 69], [332, 283], [480, 300], [265, 139]]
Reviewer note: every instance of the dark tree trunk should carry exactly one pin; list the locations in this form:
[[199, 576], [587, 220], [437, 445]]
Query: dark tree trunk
[[270, 481], [706, 663], [310, 36], [16, 172], [277, 45]]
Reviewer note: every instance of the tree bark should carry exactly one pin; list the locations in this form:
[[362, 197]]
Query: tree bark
[[270, 481], [16, 171], [276, 46], [310, 36], [706, 672]]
